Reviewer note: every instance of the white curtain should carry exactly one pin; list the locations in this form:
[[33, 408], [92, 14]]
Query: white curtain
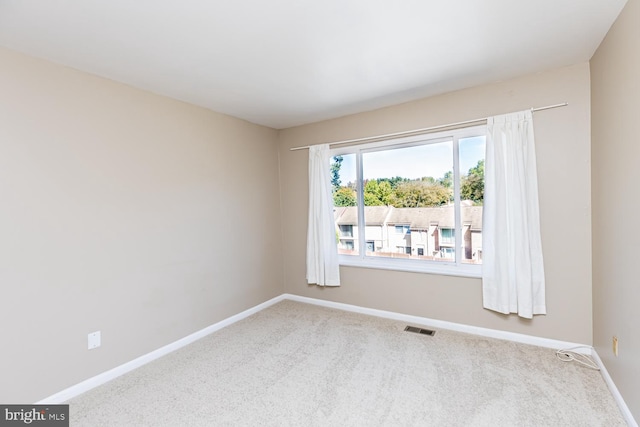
[[322, 251], [512, 270]]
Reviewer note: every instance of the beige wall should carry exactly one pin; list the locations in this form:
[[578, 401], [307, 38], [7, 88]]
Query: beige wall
[[123, 212], [563, 149], [615, 86]]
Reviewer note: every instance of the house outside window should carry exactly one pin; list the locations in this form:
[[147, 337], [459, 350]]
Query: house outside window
[[403, 205]]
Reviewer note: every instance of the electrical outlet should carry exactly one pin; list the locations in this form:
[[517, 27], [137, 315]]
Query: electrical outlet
[[93, 340], [615, 346]]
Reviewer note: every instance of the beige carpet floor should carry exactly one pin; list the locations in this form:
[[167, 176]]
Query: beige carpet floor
[[295, 364]]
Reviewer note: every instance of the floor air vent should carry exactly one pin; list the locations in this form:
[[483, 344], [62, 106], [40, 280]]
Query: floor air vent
[[420, 330]]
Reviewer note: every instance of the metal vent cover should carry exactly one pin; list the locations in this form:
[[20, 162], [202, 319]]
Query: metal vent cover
[[420, 330]]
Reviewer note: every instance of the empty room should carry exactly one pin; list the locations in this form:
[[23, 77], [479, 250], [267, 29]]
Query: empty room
[[338, 213]]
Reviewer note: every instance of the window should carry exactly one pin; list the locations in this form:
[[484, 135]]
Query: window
[[346, 230], [447, 253], [412, 203], [403, 229], [447, 236]]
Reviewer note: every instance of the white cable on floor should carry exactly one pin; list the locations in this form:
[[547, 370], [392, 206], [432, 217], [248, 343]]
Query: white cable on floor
[[567, 355]]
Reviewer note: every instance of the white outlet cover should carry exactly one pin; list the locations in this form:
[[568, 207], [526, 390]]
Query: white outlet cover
[[93, 340]]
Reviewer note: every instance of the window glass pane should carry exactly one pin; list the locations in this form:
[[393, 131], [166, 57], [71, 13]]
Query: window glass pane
[[408, 198], [472, 153], [447, 235], [343, 181]]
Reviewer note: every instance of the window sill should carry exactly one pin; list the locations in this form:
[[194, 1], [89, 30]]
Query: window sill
[[444, 269]]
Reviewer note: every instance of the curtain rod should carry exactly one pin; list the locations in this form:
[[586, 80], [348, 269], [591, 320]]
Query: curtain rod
[[423, 130]]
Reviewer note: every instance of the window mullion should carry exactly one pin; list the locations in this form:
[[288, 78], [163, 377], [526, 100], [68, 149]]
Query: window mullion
[[456, 201], [362, 245]]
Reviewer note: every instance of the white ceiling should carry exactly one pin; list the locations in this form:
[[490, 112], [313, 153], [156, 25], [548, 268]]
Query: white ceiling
[[282, 63]]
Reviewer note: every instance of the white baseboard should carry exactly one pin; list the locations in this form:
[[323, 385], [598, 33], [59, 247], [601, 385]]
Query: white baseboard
[[424, 321], [626, 412], [109, 375], [100, 379]]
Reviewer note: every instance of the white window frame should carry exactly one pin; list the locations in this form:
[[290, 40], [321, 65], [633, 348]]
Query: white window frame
[[450, 268]]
